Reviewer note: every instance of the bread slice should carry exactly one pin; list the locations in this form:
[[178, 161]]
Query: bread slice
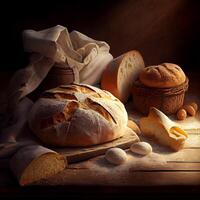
[[33, 163], [120, 74], [166, 132]]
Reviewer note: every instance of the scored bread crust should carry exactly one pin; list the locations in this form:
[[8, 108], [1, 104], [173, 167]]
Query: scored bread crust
[[120, 74], [77, 115], [162, 76]]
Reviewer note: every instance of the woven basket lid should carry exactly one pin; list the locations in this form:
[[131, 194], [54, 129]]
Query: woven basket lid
[[138, 87]]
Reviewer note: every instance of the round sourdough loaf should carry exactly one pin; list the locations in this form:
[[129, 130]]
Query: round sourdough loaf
[[120, 74], [77, 115], [162, 76]]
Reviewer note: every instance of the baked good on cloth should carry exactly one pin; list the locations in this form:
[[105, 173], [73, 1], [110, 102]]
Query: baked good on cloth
[[120, 73], [162, 76], [166, 132], [161, 86], [33, 163], [77, 115]]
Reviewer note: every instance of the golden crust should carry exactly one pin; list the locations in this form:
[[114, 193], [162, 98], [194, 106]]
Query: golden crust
[[77, 115], [162, 76]]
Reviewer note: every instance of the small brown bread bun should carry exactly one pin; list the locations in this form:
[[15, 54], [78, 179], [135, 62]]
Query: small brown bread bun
[[194, 105], [190, 110], [165, 75], [77, 115], [181, 114]]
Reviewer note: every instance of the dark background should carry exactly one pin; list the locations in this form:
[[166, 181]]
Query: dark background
[[162, 30]]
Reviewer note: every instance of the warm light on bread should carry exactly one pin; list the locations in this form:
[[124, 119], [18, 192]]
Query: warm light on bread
[[162, 86], [77, 115], [162, 76], [120, 73]]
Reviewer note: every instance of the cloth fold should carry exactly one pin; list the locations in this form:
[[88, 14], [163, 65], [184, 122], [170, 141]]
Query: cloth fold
[[17, 134], [50, 47], [69, 49], [57, 47]]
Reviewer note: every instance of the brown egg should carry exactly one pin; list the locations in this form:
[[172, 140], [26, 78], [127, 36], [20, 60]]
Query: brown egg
[[194, 105], [181, 114], [190, 110]]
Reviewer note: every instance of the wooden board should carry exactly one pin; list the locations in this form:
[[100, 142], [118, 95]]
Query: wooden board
[[162, 167], [79, 154], [138, 171]]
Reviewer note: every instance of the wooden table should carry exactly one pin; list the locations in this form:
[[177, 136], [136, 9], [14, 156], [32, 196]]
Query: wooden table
[[174, 179]]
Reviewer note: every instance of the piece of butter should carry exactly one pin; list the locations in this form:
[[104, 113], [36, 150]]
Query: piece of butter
[[178, 132], [165, 132]]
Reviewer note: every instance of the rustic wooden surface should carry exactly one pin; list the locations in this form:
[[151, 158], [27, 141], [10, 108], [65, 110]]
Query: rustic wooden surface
[[161, 168], [172, 168]]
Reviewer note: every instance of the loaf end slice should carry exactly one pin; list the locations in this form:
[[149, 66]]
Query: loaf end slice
[[121, 73], [33, 163]]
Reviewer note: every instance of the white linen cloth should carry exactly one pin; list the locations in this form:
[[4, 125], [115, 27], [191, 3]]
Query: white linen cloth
[[85, 56], [54, 46]]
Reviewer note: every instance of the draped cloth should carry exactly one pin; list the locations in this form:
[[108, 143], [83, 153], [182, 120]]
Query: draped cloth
[[54, 46]]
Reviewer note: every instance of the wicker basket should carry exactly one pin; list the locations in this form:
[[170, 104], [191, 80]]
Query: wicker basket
[[168, 100], [56, 76]]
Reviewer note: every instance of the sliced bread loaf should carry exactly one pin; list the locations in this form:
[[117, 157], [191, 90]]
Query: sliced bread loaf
[[33, 163], [120, 73]]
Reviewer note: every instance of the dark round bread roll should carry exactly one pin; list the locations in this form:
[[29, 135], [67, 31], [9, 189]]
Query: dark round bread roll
[[162, 76]]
